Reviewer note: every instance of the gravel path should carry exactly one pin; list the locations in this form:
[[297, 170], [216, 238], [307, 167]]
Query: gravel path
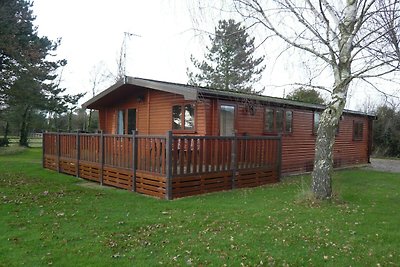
[[387, 165]]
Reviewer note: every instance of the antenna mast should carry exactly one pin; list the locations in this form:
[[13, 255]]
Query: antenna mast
[[122, 56]]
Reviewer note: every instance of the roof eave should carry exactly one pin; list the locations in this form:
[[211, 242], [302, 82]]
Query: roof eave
[[279, 101], [110, 89], [188, 94]]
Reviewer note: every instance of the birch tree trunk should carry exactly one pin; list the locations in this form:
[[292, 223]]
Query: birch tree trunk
[[323, 161]]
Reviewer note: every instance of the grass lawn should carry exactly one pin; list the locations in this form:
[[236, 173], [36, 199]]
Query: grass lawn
[[53, 219]]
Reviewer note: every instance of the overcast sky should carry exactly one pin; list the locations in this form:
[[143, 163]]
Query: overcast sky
[[92, 33]]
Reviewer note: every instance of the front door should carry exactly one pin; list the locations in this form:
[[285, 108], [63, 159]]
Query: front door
[[227, 120]]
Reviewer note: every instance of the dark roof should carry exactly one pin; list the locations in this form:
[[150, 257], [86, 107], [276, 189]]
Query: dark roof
[[190, 92]]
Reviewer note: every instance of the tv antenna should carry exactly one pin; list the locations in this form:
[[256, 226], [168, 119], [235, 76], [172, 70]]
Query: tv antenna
[[122, 55]]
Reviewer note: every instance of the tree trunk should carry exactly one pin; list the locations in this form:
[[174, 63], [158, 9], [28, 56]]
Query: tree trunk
[[323, 161], [23, 138], [89, 125], [6, 130], [69, 121]]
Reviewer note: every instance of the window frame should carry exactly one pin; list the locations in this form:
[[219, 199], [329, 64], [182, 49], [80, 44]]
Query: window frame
[[120, 128], [315, 130], [235, 110], [125, 120], [274, 111], [129, 125], [286, 121], [358, 130], [314, 127], [272, 124], [281, 123], [183, 120]]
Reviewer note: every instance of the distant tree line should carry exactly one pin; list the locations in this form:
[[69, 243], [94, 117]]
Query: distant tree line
[[40, 122], [386, 132]]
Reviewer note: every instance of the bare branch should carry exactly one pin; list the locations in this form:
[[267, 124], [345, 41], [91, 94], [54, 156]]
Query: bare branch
[[269, 25]]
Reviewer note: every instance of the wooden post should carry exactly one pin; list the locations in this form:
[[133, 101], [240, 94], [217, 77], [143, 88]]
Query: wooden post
[[134, 155], [77, 153], [168, 164], [234, 160], [43, 149], [58, 151], [102, 157], [279, 157]]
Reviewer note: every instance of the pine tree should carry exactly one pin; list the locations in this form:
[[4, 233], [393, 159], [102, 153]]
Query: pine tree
[[27, 73], [229, 63]]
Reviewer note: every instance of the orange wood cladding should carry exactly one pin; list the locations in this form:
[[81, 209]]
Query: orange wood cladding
[[154, 116], [158, 161]]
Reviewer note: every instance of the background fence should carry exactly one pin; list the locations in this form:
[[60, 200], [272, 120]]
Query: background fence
[[165, 166]]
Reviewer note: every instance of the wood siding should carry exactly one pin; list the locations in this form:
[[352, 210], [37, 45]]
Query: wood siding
[[298, 146], [154, 116], [153, 113]]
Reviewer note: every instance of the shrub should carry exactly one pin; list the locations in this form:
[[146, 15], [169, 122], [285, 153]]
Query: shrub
[[4, 142]]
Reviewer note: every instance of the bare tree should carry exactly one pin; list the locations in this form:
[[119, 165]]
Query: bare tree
[[99, 76], [354, 39]]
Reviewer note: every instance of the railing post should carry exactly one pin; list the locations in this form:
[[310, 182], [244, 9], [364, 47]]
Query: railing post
[[78, 144], [58, 151], [134, 155], [168, 164], [102, 157], [43, 149], [279, 157], [234, 160]]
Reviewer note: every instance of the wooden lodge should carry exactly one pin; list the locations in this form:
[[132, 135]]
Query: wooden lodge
[[173, 140]]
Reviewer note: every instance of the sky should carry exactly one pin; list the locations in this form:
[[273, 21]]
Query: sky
[[92, 33]]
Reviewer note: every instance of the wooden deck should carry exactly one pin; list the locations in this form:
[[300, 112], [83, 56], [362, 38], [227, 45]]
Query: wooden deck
[[165, 166]]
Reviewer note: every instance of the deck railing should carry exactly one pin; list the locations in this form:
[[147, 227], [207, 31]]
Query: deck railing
[[204, 154], [159, 165]]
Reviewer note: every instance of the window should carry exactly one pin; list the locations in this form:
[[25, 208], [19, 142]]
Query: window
[[269, 120], [189, 117], [278, 121], [317, 117], [289, 121], [131, 120], [176, 117], [358, 130], [121, 122], [126, 121], [227, 120], [183, 117]]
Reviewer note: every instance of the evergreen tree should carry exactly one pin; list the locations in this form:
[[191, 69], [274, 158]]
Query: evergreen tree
[[306, 95], [229, 63], [27, 72], [20, 46]]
